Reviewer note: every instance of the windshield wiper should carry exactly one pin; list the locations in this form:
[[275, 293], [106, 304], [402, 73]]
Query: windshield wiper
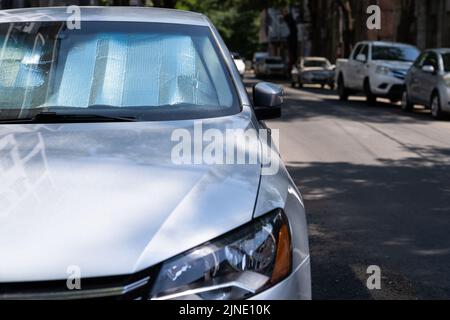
[[53, 117]]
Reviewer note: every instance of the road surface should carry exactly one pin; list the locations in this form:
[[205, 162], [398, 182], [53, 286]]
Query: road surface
[[376, 183]]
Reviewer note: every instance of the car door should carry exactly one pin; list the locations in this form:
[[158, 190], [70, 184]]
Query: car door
[[428, 79], [413, 78], [360, 68], [350, 77]]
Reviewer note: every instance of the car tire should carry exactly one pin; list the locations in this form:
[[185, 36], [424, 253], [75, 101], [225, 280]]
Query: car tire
[[407, 106], [436, 110], [293, 84], [370, 98], [342, 90]]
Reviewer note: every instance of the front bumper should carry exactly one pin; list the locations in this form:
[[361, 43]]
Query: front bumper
[[387, 86], [296, 287]]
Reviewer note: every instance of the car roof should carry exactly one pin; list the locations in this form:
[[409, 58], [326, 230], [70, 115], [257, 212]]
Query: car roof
[[439, 50], [386, 43], [260, 54], [119, 14]]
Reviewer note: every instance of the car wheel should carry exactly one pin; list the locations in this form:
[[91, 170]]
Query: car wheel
[[370, 98], [436, 110], [342, 90], [293, 84], [406, 104]]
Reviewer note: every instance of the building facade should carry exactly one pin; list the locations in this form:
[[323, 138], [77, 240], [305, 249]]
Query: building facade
[[330, 28]]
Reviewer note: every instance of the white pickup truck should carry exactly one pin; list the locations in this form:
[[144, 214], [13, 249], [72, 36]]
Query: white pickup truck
[[377, 69]]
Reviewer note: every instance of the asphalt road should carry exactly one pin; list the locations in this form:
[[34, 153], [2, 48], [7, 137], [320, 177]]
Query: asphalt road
[[376, 183]]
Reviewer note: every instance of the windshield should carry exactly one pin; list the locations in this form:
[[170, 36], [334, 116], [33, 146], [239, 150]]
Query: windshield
[[315, 64], [148, 70], [407, 54], [446, 59], [274, 61]]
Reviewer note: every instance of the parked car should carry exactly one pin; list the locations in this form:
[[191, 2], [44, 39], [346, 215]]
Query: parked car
[[257, 59], [428, 83], [313, 70], [271, 66], [239, 62], [91, 120], [378, 69]]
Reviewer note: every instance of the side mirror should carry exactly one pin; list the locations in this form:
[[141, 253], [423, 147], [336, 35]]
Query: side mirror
[[267, 98], [361, 57], [428, 69]]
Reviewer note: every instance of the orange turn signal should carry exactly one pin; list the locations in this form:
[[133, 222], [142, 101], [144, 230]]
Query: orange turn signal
[[283, 260]]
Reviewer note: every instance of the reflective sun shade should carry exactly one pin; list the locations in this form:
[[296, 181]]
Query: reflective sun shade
[[115, 64]]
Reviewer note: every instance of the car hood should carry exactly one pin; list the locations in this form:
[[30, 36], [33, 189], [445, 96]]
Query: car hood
[[311, 69], [402, 65], [108, 198]]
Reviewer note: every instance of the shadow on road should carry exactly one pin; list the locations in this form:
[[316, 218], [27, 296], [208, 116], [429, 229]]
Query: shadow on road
[[373, 215]]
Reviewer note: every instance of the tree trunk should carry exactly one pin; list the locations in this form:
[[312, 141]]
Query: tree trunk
[[348, 33], [292, 40]]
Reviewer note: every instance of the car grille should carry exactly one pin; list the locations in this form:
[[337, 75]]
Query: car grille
[[399, 74], [134, 287]]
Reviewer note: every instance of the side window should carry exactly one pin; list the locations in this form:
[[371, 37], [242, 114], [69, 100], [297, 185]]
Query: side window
[[356, 52], [432, 60], [420, 60], [365, 51]]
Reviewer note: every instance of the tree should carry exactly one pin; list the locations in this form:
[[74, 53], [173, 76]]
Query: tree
[[236, 20], [165, 3], [348, 22]]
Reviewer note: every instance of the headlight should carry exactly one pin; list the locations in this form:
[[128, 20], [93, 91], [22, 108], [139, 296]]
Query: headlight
[[236, 266], [384, 70]]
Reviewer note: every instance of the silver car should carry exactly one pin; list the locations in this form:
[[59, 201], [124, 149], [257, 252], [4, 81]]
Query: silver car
[[107, 186], [313, 70], [271, 66], [428, 83]]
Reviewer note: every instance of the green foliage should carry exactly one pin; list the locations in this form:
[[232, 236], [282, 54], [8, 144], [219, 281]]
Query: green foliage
[[237, 21]]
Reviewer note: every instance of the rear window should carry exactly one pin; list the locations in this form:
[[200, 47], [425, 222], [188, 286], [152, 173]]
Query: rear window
[[274, 60]]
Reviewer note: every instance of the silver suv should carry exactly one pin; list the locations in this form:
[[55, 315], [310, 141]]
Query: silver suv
[[428, 83]]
